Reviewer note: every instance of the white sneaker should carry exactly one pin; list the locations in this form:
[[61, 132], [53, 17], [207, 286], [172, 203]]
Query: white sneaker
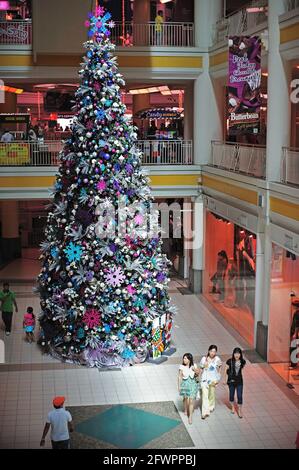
[[7, 333]]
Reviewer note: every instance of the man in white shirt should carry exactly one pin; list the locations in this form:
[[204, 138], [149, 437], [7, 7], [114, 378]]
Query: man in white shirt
[[7, 137], [61, 425]]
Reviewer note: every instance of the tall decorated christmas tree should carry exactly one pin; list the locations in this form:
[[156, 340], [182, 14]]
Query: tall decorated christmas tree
[[103, 281]]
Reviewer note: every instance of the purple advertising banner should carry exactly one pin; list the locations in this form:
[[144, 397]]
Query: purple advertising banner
[[244, 84]]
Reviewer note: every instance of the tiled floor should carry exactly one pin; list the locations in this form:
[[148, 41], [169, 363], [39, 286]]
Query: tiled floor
[[29, 381]]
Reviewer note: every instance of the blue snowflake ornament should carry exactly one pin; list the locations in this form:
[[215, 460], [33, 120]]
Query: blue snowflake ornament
[[73, 252]]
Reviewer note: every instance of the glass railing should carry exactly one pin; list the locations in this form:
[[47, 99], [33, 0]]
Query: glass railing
[[18, 33], [246, 159], [245, 19], [46, 153], [147, 34], [291, 5], [290, 166]]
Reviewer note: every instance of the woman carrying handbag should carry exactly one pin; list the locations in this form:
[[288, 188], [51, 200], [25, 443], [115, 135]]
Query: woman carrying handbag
[[234, 367]]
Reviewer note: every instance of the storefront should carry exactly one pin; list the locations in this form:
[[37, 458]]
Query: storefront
[[229, 274], [283, 331]]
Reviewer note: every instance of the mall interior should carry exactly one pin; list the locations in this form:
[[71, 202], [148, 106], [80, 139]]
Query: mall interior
[[241, 189]]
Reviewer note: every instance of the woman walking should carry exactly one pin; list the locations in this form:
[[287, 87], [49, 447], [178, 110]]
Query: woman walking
[[187, 384], [234, 367], [210, 366]]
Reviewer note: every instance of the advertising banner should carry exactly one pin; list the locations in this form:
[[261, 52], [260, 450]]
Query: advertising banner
[[244, 84], [14, 153]]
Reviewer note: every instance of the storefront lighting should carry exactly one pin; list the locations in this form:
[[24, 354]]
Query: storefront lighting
[[4, 6], [11, 89], [256, 9]]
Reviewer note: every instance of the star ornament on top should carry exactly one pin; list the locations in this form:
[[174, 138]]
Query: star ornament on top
[[99, 23]]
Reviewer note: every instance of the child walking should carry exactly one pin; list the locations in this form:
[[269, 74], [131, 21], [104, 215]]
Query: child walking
[[29, 324], [187, 384]]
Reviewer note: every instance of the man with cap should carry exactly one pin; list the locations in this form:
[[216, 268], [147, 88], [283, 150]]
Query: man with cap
[[61, 425]]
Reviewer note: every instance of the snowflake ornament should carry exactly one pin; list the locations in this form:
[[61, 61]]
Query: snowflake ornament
[[73, 252], [92, 318], [115, 277], [101, 186]]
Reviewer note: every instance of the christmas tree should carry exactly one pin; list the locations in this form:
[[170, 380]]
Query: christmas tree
[[103, 281]]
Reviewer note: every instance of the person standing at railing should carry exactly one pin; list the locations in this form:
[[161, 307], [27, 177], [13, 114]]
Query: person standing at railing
[[159, 28], [7, 136], [32, 135]]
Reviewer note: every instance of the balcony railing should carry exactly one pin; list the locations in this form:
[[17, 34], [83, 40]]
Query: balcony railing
[[241, 158], [176, 152], [16, 33], [239, 22], [291, 4], [290, 166], [145, 34]]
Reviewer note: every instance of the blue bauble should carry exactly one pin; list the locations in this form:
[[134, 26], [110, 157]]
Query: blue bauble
[[106, 156]]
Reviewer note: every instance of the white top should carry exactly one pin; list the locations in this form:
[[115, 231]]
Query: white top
[[211, 373], [188, 371], [7, 137], [59, 419]]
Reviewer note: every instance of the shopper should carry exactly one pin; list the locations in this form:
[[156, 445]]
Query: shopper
[[29, 324], [61, 425], [159, 28], [234, 368], [8, 301], [7, 137], [218, 278], [32, 135], [187, 384], [210, 366]]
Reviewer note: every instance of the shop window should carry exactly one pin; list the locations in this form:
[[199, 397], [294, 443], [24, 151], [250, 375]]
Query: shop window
[[229, 275], [283, 340]]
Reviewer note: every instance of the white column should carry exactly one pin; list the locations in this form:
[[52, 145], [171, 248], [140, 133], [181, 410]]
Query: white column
[[279, 105], [197, 246], [267, 276], [259, 281], [206, 14], [198, 229], [187, 232], [208, 124]]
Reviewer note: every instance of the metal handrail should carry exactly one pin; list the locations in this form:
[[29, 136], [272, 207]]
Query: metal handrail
[[290, 165], [16, 32], [237, 22], [248, 159], [46, 153], [169, 34]]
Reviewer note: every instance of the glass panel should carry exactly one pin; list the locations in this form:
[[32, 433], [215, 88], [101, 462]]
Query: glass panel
[[284, 314], [229, 275]]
